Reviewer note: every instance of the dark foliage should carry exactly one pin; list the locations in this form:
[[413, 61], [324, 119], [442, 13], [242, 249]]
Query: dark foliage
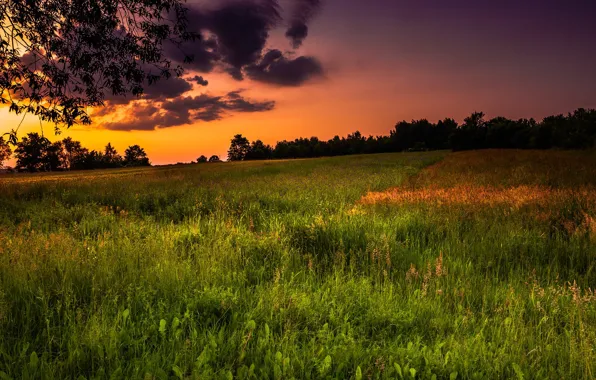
[[135, 156], [354, 143], [31, 153], [111, 158], [75, 154], [5, 151], [577, 130], [61, 56], [36, 153], [259, 151], [239, 148]]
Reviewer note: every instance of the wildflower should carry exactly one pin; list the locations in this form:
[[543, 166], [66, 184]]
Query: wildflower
[[388, 258], [426, 279], [374, 255], [439, 265], [575, 291], [412, 274]]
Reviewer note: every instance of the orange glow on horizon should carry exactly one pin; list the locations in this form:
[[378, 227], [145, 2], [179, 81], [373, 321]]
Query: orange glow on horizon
[[370, 97]]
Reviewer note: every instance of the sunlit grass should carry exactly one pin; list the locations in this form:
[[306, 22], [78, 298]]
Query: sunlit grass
[[474, 265]]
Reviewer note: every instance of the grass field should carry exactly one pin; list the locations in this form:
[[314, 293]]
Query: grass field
[[437, 265]]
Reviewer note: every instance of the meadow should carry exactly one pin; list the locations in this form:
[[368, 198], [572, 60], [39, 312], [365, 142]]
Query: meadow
[[433, 265]]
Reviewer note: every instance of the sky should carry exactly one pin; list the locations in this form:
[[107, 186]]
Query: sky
[[363, 65]]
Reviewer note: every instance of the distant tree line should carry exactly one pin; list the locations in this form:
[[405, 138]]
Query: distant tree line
[[35, 153], [213, 158], [577, 130]]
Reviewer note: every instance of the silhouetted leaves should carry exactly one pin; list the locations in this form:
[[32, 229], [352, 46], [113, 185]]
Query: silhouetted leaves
[[577, 130], [31, 152], [36, 153], [135, 156], [239, 148], [61, 56], [259, 151], [5, 151], [111, 158]]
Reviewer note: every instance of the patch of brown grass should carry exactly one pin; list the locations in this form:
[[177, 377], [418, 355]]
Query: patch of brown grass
[[511, 168], [496, 177], [490, 196], [558, 188]]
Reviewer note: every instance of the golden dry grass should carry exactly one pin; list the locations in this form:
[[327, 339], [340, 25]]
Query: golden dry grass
[[516, 196], [496, 177], [557, 188], [509, 168]]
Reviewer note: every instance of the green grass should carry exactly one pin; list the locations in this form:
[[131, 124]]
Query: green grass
[[279, 270]]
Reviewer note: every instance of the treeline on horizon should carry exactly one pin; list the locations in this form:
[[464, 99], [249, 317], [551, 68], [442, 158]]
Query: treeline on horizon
[[577, 130], [35, 153]]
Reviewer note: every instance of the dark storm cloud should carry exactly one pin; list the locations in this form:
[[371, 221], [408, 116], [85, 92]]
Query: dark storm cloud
[[235, 34], [277, 69], [242, 30], [160, 90], [199, 80], [302, 13], [202, 51], [186, 110], [235, 73], [236, 102], [107, 109], [167, 89], [209, 108]]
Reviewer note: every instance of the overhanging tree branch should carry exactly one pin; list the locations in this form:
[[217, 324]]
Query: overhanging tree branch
[[59, 57]]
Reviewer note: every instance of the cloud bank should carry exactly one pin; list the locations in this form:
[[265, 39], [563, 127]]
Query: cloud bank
[[146, 116], [234, 40]]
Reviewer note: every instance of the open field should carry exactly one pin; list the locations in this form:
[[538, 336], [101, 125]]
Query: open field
[[468, 265]]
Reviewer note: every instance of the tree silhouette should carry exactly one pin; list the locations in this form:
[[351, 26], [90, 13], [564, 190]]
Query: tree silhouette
[[259, 151], [74, 154], [201, 159], [54, 157], [36, 153], [135, 156], [60, 56], [355, 143], [214, 158], [111, 157], [5, 151], [440, 138], [93, 160], [31, 152], [475, 120], [577, 130], [239, 148], [471, 134]]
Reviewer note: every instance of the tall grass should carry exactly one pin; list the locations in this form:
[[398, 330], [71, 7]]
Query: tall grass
[[287, 269]]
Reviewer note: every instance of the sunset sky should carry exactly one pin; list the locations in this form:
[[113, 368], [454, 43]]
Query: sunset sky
[[369, 64]]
